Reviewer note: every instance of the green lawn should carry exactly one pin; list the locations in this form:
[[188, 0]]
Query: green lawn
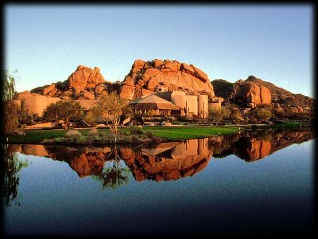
[[175, 133], [168, 133]]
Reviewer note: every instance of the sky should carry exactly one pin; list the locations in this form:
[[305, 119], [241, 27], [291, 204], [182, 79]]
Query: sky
[[46, 43]]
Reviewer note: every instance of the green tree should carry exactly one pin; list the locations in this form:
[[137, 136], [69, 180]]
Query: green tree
[[10, 108], [63, 110], [8, 87], [111, 107], [215, 114]]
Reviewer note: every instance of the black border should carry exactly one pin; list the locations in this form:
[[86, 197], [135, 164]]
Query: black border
[[171, 3]]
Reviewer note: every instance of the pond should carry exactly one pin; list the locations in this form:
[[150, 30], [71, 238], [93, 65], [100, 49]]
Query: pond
[[238, 183]]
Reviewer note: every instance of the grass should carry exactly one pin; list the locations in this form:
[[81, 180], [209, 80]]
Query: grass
[[177, 133], [287, 125], [166, 133]]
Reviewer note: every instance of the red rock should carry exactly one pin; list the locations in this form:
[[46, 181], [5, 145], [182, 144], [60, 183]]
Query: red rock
[[85, 78], [138, 65], [36, 103], [89, 96], [50, 90], [252, 94], [157, 63], [170, 75]]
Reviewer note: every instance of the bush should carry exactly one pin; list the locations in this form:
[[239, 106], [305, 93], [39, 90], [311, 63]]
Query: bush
[[236, 115], [263, 114], [149, 134], [93, 132], [136, 130], [72, 133]]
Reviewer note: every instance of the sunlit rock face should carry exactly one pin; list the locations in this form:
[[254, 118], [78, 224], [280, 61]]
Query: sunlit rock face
[[35, 103], [168, 161], [164, 75], [85, 79], [252, 94], [84, 83]]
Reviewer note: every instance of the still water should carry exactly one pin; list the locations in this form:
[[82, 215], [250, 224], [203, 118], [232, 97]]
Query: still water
[[224, 183]]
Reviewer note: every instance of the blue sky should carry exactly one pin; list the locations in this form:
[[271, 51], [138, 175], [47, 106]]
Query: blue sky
[[273, 42]]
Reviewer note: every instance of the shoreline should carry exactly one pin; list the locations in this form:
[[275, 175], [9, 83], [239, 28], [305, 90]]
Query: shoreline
[[148, 134]]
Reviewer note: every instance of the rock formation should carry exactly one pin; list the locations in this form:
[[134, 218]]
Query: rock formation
[[255, 91], [251, 94], [35, 103], [157, 75], [84, 84]]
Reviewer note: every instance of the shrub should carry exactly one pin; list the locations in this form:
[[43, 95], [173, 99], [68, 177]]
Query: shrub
[[149, 134], [93, 132], [263, 114], [236, 115], [136, 130], [72, 133], [134, 139]]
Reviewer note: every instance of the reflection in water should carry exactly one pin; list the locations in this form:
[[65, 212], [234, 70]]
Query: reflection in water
[[10, 174], [166, 161]]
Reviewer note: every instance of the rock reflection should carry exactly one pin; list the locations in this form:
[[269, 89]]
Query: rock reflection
[[166, 161]]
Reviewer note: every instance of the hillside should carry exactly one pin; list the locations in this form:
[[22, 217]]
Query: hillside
[[280, 98]]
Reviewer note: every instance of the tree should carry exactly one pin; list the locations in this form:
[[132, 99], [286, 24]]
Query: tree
[[8, 87], [63, 110], [10, 108], [116, 175], [10, 117], [215, 114], [11, 177], [111, 108], [92, 115]]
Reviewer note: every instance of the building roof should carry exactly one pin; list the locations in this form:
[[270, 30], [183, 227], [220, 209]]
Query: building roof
[[155, 102]]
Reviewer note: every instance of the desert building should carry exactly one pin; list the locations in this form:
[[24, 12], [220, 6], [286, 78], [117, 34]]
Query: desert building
[[174, 103], [156, 105]]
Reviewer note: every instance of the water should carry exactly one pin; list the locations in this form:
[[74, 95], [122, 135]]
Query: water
[[224, 183]]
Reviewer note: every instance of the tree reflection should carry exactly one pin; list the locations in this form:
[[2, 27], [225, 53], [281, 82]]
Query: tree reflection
[[11, 179], [115, 175]]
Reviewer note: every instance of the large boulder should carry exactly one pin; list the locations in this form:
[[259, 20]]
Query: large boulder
[[250, 93], [85, 78], [164, 75], [83, 83]]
